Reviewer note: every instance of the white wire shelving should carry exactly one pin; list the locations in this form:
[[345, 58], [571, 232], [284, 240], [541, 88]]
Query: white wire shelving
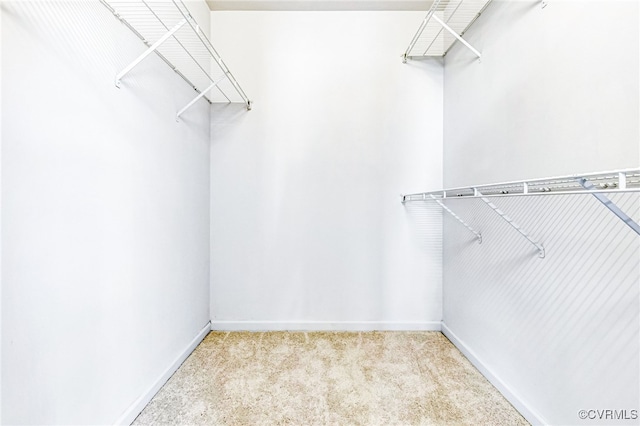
[[445, 23], [167, 28], [625, 180], [599, 185]]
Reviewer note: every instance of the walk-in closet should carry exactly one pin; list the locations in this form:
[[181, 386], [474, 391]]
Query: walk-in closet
[[319, 212]]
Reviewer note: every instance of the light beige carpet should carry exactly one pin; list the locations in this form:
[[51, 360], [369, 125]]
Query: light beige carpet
[[326, 378]]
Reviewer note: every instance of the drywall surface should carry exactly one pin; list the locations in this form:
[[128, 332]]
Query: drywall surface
[[539, 102], [556, 93], [105, 216], [0, 220], [307, 228]]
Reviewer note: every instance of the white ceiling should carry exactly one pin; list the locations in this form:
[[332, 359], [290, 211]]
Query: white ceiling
[[422, 5]]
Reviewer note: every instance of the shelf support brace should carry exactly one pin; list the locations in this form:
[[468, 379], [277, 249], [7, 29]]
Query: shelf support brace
[[610, 204], [510, 221], [456, 35], [204, 92], [458, 218], [149, 51]]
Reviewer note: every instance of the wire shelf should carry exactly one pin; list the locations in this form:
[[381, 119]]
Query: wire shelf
[[627, 180], [168, 29], [433, 38], [595, 184]]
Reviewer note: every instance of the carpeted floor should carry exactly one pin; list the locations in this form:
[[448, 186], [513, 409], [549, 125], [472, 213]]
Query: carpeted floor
[[322, 378]]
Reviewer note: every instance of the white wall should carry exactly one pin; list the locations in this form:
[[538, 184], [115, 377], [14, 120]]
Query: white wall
[[556, 93], [105, 216], [1, 315], [307, 230]]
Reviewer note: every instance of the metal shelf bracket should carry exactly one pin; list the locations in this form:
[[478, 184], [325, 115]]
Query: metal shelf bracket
[[613, 207], [456, 35], [541, 252], [451, 212], [149, 51], [444, 16], [458, 218], [204, 92]]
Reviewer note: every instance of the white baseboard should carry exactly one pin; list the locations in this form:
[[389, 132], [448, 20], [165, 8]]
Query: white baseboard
[[511, 396], [325, 326], [136, 408]]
